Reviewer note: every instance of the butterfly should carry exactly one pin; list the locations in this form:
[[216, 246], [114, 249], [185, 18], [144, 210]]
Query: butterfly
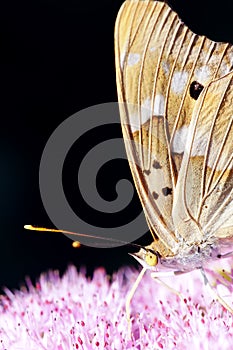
[[175, 99], [175, 92]]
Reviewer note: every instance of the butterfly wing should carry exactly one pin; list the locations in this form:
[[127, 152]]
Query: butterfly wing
[[162, 68], [204, 191]]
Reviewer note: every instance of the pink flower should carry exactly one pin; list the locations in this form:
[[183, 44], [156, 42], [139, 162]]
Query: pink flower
[[74, 312]]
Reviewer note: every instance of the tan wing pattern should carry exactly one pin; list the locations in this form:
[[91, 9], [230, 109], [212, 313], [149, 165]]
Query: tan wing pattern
[[204, 191], [162, 71]]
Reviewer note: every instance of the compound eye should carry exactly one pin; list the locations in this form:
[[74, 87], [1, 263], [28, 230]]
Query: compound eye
[[151, 259]]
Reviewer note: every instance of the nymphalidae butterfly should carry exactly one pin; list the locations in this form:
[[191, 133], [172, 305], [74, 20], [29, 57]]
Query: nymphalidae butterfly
[[175, 91]]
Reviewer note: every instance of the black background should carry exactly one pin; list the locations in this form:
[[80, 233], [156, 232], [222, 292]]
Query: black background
[[56, 58]]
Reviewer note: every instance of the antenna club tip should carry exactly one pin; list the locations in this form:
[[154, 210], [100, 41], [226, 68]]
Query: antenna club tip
[[76, 244], [35, 228], [28, 227]]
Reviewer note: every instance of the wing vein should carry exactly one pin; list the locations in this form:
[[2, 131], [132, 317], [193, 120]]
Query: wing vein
[[222, 144], [204, 187], [140, 81], [184, 192], [154, 84], [173, 175], [215, 216]]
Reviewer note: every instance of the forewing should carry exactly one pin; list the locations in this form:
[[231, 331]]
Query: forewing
[[161, 68]]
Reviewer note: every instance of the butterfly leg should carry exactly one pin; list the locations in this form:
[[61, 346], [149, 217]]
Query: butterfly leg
[[215, 294], [130, 297], [157, 275]]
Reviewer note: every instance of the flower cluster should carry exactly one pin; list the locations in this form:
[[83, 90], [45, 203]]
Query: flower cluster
[[75, 312]]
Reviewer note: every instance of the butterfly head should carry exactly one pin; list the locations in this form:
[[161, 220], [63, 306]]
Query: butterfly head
[[147, 257]]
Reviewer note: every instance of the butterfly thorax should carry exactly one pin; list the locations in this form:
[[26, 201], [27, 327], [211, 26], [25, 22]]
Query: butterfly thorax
[[189, 257]]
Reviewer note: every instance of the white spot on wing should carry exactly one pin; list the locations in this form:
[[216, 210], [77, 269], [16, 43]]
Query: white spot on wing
[[158, 108], [166, 69], [180, 140], [136, 120], [202, 74], [122, 59], [133, 59], [179, 80], [146, 112], [159, 104], [199, 145], [199, 148], [223, 69]]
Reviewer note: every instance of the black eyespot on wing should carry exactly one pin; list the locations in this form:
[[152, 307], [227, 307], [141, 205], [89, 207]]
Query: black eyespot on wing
[[147, 172], [155, 195], [195, 89], [156, 165], [166, 191]]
